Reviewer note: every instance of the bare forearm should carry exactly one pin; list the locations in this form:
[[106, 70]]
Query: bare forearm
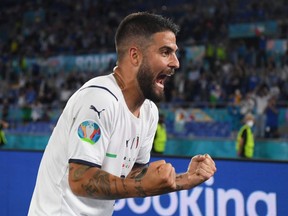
[[96, 183], [200, 169], [182, 182], [159, 178]]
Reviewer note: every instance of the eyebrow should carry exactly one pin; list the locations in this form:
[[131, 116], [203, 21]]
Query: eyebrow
[[168, 48]]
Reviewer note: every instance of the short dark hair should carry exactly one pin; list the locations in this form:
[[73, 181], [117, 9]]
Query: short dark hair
[[142, 25]]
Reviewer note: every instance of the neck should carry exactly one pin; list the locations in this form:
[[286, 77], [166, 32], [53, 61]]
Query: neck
[[119, 79], [130, 91]]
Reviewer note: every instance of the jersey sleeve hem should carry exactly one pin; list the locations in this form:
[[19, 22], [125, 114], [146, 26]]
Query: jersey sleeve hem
[[83, 162]]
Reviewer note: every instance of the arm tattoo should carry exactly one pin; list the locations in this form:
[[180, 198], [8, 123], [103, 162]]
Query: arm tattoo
[[90, 188], [138, 173], [140, 191], [79, 172], [139, 176], [99, 183], [134, 172], [179, 187], [124, 187]]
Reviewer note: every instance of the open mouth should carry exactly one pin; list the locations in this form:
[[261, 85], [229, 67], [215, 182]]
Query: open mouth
[[161, 78]]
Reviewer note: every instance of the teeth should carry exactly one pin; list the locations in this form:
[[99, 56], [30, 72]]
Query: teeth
[[172, 73]]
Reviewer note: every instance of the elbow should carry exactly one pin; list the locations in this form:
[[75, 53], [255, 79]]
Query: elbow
[[75, 187]]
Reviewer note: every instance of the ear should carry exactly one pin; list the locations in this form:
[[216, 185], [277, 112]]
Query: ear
[[135, 56]]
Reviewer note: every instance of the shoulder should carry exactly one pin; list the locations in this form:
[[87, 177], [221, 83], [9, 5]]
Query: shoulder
[[151, 110], [150, 106], [101, 91], [101, 86]]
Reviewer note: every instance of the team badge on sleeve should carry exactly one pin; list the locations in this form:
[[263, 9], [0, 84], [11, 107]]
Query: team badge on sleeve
[[89, 131]]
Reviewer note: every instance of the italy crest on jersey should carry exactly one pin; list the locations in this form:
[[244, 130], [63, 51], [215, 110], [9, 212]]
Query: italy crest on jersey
[[89, 131]]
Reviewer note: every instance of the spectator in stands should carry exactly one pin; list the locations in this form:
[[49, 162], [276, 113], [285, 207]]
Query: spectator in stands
[[37, 111], [253, 80], [65, 94], [247, 105], [233, 108], [3, 125], [30, 94], [160, 138], [272, 114], [261, 100], [216, 94], [5, 109], [38, 30], [203, 90], [237, 97], [245, 138]]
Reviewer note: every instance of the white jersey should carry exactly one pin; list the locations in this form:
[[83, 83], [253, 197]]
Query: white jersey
[[96, 128]]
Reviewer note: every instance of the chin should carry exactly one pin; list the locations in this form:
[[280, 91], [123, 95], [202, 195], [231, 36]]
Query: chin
[[159, 97]]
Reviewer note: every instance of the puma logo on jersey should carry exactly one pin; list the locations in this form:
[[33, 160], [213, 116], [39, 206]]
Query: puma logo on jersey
[[98, 112]]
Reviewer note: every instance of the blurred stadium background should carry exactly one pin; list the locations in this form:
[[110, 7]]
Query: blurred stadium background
[[233, 56], [230, 53]]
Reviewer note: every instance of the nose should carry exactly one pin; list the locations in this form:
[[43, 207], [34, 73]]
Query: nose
[[174, 62]]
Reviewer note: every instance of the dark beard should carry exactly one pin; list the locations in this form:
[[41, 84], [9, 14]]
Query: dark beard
[[146, 83]]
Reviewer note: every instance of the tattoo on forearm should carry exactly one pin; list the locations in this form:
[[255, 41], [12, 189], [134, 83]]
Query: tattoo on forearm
[[134, 172], [141, 174], [138, 173], [117, 193], [140, 191], [179, 187], [101, 185], [98, 184], [124, 187], [90, 188], [79, 172], [178, 178]]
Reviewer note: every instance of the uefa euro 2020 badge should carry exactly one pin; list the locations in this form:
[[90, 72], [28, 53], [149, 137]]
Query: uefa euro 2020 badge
[[89, 131]]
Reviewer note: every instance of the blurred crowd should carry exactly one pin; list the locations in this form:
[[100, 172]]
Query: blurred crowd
[[233, 73], [39, 27]]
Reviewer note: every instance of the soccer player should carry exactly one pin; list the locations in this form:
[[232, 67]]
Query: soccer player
[[100, 148]]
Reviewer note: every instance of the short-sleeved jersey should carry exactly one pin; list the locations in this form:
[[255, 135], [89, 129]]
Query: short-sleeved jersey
[[96, 128]]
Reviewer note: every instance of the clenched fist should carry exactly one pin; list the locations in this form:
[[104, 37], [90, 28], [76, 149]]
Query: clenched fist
[[200, 169]]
